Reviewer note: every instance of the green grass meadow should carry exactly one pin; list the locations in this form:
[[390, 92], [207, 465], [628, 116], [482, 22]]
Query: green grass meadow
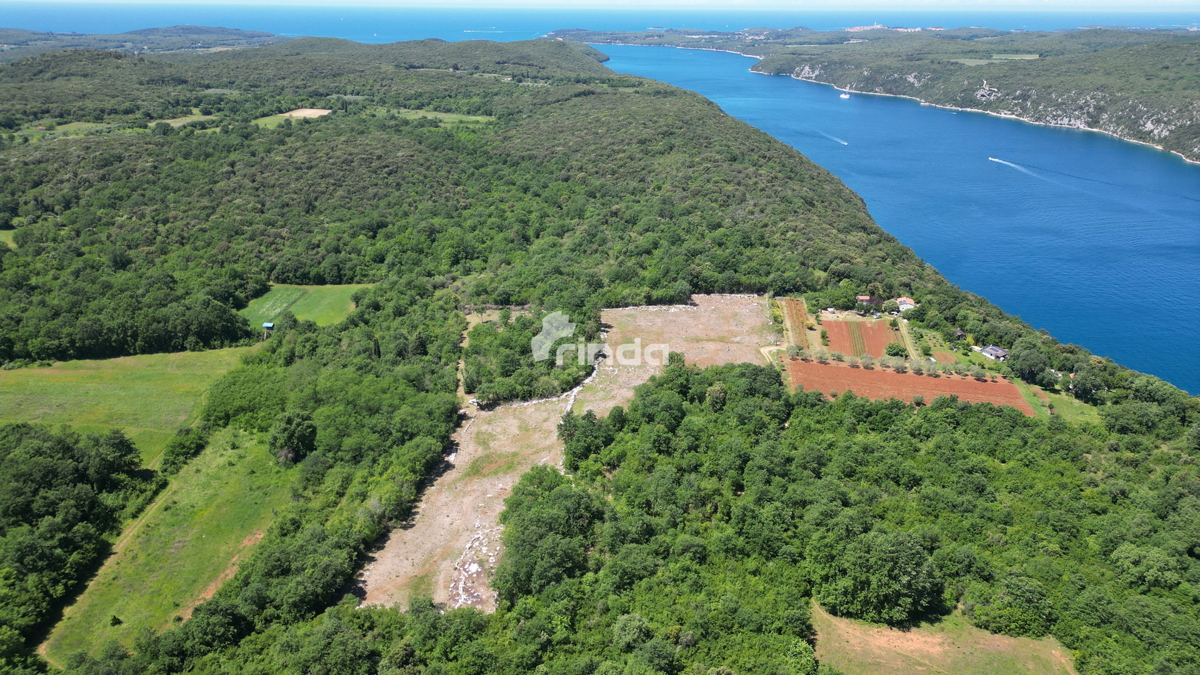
[[6, 237], [270, 122], [186, 544], [324, 305], [1069, 408], [147, 396]]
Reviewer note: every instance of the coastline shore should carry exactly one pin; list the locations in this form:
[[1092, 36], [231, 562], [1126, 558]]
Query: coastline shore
[[917, 99]]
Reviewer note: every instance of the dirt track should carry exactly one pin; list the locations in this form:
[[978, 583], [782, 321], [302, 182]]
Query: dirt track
[[452, 545]]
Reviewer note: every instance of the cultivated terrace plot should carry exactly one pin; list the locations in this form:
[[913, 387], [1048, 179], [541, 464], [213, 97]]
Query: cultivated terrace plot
[[861, 338], [796, 316], [878, 383]]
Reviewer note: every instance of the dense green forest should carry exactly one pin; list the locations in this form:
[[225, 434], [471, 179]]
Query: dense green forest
[[498, 365], [584, 190], [1136, 84], [140, 241]]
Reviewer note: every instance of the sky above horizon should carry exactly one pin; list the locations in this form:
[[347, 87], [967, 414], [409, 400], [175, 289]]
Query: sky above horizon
[[732, 5]]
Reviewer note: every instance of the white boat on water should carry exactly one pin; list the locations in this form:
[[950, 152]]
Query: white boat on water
[[845, 94]]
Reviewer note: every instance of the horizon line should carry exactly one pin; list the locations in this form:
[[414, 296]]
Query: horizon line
[[717, 6]]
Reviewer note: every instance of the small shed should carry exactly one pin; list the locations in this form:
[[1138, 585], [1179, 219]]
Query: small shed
[[267, 328]]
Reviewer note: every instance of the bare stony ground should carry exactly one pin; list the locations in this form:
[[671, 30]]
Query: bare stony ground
[[451, 546], [715, 329]]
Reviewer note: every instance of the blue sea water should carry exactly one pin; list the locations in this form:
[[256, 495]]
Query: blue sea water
[[1095, 239]]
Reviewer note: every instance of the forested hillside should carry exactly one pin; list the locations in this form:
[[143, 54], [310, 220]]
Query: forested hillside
[[22, 44], [571, 189], [1139, 85], [136, 241]]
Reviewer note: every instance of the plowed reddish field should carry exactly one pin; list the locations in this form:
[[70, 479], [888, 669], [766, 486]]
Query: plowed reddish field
[[859, 338], [884, 384], [944, 357]]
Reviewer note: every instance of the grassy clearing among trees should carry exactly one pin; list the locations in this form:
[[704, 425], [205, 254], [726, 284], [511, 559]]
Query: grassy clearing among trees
[[148, 396], [323, 305], [181, 550], [445, 118]]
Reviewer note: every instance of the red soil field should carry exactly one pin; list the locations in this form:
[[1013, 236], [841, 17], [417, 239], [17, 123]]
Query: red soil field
[[839, 336], [944, 357], [884, 384], [878, 335], [875, 336]]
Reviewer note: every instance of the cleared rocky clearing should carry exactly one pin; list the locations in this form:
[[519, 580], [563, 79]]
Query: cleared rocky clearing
[[451, 546]]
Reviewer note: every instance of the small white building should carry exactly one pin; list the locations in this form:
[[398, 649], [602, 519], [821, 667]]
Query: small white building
[[995, 353]]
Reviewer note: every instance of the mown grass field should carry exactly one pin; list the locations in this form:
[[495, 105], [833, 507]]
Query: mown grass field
[[951, 647], [186, 544], [323, 304], [6, 237], [147, 396]]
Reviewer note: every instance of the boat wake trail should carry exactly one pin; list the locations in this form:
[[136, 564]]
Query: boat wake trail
[[1020, 168], [1027, 172], [832, 138]]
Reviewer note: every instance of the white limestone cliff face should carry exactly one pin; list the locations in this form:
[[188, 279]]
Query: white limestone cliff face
[[1130, 119]]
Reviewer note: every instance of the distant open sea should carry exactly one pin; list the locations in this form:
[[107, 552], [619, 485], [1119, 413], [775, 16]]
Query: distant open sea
[[378, 24], [1095, 239]]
